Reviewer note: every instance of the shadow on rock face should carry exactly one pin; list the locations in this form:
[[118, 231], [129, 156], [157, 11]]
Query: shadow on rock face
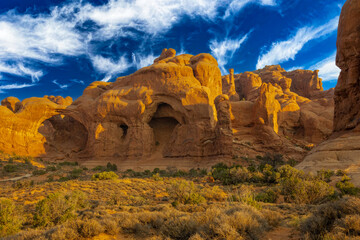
[[64, 135]]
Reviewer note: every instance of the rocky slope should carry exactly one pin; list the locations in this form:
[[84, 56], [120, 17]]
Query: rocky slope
[[342, 150]]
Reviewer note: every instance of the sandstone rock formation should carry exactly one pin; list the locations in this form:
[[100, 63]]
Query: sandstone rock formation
[[228, 86], [179, 107], [303, 111], [173, 108], [20, 122], [342, 150]]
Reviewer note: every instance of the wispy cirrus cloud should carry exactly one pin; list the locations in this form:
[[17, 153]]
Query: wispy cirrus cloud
[[283, 51], [109, 66], [225, 49], [19, 69], [106, 78], [62, 86], [14, 86], [153, 18], [328, 70], [140, 60], [237, 5]]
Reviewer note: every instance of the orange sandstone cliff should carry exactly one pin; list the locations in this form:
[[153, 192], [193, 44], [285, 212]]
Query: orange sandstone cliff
[[342, 150]]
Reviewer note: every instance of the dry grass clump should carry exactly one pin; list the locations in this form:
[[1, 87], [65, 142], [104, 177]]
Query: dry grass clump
[[334, 219], [10, 217]]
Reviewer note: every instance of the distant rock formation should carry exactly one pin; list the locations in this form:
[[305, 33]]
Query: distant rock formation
[[293, 104], [342, 150]]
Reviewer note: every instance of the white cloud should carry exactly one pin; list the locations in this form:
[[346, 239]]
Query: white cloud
[[294, 68], [62, 86], [152, 17], [224, 50], [39, 39], [106, 78], [107, 65], [236, 5], [14, 86], [20, 70], [77, 81], [285, 50], [328, 70], [141, 61]]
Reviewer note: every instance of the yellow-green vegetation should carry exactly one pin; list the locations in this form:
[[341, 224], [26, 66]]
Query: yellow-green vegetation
[[67, 201]]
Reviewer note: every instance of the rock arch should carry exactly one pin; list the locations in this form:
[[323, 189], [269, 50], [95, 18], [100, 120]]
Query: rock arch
[[64, 136]]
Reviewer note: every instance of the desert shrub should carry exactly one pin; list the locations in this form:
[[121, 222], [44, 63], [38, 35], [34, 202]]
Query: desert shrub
[[99, 168], [221, 172], [179, 227], [105, 176], [325, 175], [111, 167], [69, 163], [334, 218], [273, 159], [58, 207], [239, 175], [232, 223], [23, 184], [298, 187], [75, 173], [157, 177], [340, 173], [213, 193], [185, 192], [287, 171], [268, 196], [270, 175], [246, 195], [346, 187], [51, 168], [110, 226], [64, 232], [10, 168], [39, 172], [10, 217], [300, 190], [89, 228]]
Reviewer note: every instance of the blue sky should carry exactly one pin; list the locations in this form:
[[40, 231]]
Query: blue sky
[[53, 47]]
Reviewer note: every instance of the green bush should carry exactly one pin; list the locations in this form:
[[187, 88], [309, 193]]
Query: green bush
[[75, 173], [10, 168], [111, 167], [269, 196], [69, 164], [10, 218], [38, 172], [58, 207], [185, 192], [325, 175], [298, 188], [51, 168], [99, 168], [105, 176], [346, 187]]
